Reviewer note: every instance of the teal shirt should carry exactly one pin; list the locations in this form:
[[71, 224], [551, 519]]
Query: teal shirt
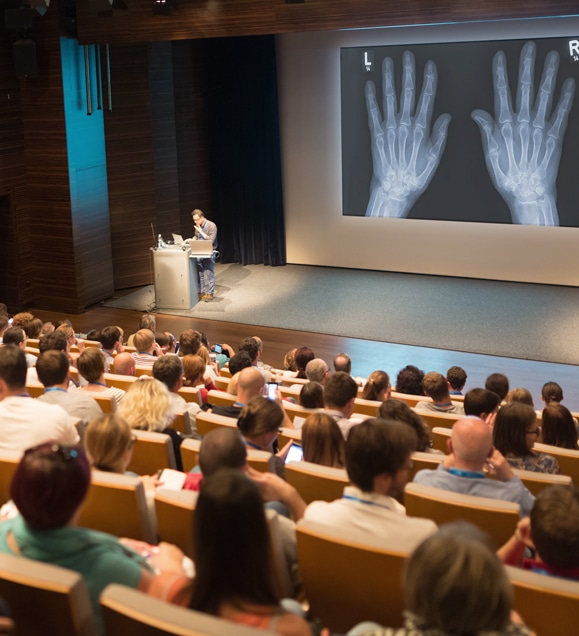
[[97, 556]]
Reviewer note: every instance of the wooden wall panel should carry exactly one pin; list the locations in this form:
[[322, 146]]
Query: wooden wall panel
[[220, 18]]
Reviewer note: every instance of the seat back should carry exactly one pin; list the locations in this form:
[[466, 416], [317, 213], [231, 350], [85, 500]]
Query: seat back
[[208, 421], [535, 482], [446, 420], [440, 437], [123, 382], [191, 394], [568, 459], [175, 510], [422, 461], [36, 389], [182, 423], [348, 579], [495, 517], [117, 504], [366, 407], [151, 452], [128, 611], [295, 410], [315, 482], [45, 598], [221, 383], [260, 460], [286, 435], [221, 398], [107, 404], [549, 605], [9, 460]]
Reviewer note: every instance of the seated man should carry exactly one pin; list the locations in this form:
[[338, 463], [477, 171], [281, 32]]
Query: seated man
[[251, 346], [54, 373], [436, 387], [552, 531], [456, 378], [471, 450], [168, 369], [339, 394], [111, 340], [317, 371], [498, 383], [482, 403], [124, 364], [249, 385], [27, 422], [378, 460]]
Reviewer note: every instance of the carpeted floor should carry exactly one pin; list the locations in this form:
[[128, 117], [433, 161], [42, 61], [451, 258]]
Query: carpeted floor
[[519, 320]]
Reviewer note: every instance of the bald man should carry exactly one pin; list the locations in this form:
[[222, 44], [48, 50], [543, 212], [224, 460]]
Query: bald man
[[471, 453]]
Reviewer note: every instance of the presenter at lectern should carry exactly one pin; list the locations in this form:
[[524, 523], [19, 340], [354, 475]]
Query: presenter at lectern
[[207, 231]]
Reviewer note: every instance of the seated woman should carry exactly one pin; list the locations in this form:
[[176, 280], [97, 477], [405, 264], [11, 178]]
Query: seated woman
[[322, 441], [259, 422], [147, 407], [194, 375], [303, 355], [109, 443], [409, 380], [515, 432], [454, 584], [552, 392], [91, 366], [559, 427], [49, 487], [399, 411], [377, 387], [231, 550]]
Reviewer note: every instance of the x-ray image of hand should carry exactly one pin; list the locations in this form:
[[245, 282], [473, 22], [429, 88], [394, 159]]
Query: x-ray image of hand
[[405, 154], [522, 148]]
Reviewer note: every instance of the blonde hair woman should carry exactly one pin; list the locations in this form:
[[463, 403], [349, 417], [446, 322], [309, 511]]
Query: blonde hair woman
[[109, 442], [194, 368], [147, 407]]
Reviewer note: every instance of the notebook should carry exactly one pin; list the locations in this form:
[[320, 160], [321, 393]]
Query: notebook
[[204, 248]]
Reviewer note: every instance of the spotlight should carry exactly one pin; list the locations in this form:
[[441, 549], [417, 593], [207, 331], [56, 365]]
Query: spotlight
[[163, 7]]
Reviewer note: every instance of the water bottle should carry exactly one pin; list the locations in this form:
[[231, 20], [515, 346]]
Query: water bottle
[[159, 241]]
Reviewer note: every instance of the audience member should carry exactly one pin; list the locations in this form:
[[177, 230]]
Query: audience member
[[551, 392], [463, 471], [456, 378], [515, 432], [168, 369], [436, 387], [33, 328], [552, 533], [378, 462], [232, 553], [189, 343], [147, 321], [377, 387], [54, 373], [147, 407], [558, 427], [21, 319], [302, 356], [342, 362], [27, 422], [239, 361], [124, 364], [194, 375], [399, 411], [409, 380], [498, 383], [47, 328], [312, 396], [322, 441], [17, 336], [91, 366], [71, 340], [261, 365], [111, 340], [109, 443], [146, 348], [289, 363], [339, 395], [4, 324], [49, 488], [523, 396], [454, 584], [482, 403], [317, 371], [259, 422]]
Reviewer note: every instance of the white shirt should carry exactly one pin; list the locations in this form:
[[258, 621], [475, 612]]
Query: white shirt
[[180, 405], [343, 422], [373, 514], [27, 422]]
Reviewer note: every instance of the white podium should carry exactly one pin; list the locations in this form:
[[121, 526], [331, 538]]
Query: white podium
[[175, 278]]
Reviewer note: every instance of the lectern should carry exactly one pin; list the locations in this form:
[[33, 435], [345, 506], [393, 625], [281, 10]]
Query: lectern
[[175, 277]]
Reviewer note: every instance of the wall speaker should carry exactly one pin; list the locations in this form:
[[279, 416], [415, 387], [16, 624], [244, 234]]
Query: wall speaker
[[25, 63]]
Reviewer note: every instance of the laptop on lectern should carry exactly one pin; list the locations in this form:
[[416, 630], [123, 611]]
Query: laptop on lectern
[[201, 248]]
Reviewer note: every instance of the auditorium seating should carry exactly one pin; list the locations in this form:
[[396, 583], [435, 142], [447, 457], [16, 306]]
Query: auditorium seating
[[107, 404], [445, 420], [535, 482], [366, 407], [190, 394], [208, 421], [495, 517], [126, 611], [422, 461], [182, 423], [117, 504], [222, 383], [45, 599], [286, 435], [221, 398], [123, 382], [9, 460], [315, 482], [349, 578], [568, 460], [549, 605], [175, 510], [258, 459], [151, 452], [440, 437]]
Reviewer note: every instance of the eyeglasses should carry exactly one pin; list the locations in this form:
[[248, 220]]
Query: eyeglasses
[[536, 432]]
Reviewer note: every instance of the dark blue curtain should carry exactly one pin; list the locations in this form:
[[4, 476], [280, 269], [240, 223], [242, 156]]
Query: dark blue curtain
[[244, 149]]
